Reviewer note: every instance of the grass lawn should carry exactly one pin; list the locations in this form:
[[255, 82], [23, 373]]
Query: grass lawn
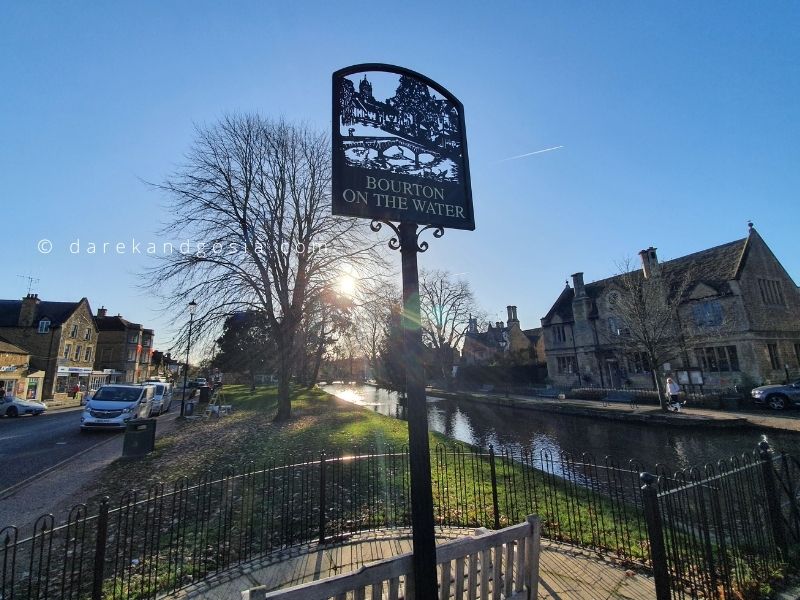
[[320, 423]]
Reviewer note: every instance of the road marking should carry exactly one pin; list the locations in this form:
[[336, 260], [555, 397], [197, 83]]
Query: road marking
[[61, 443]]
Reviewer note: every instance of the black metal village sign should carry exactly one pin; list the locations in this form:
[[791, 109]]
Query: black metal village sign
[[399, 149]]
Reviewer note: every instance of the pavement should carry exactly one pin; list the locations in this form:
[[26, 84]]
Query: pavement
[[564, 571], [621, 411]]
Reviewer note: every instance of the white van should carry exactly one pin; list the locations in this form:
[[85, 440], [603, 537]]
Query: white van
[[162, 397], [112, 406]]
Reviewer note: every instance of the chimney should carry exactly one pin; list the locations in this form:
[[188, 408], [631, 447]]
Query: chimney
[[512, 316], [27, 311], [650, 266], [577, 283], [473, 325], [101, 312]]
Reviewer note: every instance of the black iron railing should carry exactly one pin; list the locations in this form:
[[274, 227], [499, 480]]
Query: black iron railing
[[160, 540]]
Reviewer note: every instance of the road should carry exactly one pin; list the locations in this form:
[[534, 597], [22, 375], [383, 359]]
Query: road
[[49, 465], [29, 445]]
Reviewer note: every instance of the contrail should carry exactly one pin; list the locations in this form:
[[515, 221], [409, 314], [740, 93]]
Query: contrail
[[531, 153]]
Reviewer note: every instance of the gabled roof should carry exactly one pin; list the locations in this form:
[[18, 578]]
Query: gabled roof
[[57, 312], [714, 267], [9, 348]]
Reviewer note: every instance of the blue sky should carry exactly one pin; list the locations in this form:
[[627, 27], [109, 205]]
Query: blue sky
[[678, 121]]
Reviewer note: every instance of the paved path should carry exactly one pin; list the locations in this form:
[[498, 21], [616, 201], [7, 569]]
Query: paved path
[[565, 572]]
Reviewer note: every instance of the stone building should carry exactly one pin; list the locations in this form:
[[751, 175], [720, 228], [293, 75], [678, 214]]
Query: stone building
[[124, 349], [740, 315], [499, 341], [16, 377], [60, 336]]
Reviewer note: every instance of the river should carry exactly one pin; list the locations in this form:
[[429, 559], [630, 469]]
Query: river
[[484, 424]]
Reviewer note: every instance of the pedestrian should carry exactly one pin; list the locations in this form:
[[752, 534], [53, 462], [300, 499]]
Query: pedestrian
[[673, 389]]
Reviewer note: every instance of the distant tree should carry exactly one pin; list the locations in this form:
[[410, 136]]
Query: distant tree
[[328, 318], [391, 372], [253, 197], [245, 346], [446, 306], [646, 317]]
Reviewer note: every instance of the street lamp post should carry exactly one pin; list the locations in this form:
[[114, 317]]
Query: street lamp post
[[192, 307]]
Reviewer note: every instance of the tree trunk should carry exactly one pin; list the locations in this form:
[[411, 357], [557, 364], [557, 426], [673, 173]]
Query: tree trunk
[[284, 388], [317, 363], [252, 381], [662, 398]]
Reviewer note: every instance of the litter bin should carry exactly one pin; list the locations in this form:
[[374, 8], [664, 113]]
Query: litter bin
[[188, 409], [140, 437], [205, 393]]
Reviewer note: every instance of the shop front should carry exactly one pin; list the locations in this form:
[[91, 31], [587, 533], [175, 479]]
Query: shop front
[[11, 376], [72, 379]]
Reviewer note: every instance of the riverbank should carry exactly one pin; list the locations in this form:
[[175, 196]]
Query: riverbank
[[621, 411]]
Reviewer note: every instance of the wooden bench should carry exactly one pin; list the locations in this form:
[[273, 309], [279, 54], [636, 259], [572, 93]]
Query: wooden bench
[[502, 565], [620, 396]]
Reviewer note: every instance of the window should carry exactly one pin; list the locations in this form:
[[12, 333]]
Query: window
[[134, 338], [78, 352], [774, 357], [707, 314], [74, 332], [613, 298], [566, 364], [88, 356], [718, 359], [88, 335], [145, 342], [132, 354], [67, 350], [44, 326], [559, 333], [638, 363], [771, 292], [617, 327]]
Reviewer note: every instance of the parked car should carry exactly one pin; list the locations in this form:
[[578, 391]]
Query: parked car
[[12, 406], [777, 397], [112, 406], [162, 397]]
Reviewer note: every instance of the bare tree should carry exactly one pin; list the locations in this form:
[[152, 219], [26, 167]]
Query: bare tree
[[253, 200], [446, 306], [645, 310]]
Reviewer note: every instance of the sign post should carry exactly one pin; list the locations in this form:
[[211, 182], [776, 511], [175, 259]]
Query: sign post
[[400, 154]]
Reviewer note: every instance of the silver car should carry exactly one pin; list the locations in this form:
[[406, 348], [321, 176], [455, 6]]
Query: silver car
[[12, 406], [112, 406], [777, 397]]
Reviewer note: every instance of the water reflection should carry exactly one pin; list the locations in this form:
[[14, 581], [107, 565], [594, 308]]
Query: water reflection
[[542, 432]]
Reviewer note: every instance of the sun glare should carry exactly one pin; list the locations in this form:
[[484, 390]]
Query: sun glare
[[347, 285]]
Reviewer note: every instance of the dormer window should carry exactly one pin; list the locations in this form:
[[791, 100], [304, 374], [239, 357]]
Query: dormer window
[[88, 335], [44, 326], [74, 332]]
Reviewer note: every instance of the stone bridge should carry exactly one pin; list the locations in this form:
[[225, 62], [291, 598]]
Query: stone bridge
[[382, 144]]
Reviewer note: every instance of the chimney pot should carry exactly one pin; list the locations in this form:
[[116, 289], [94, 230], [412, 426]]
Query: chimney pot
[[649, 262], [577, 283]]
